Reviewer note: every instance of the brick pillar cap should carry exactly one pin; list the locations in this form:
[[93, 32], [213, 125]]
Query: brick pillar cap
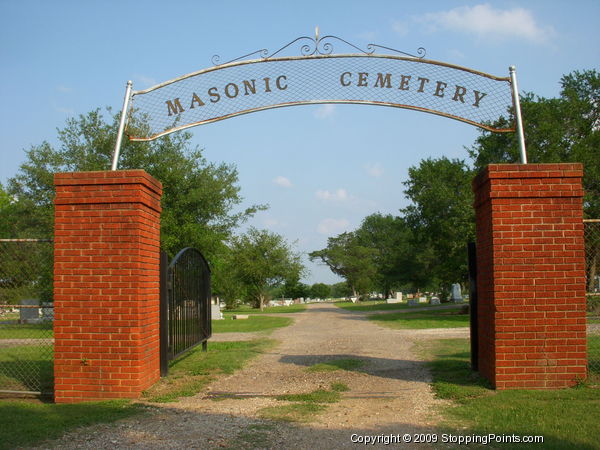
[[134, 176], [554, 170]]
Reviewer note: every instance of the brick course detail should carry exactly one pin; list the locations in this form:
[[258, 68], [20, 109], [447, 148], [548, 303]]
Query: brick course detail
[[106, 288], [531, 275]]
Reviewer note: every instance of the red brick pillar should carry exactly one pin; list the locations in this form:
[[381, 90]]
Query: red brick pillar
[[106, 288], [531, 275]]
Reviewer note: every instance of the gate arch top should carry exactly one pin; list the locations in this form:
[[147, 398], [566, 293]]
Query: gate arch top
[[242, 87]]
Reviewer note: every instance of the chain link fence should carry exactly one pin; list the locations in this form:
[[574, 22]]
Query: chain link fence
[[592, 271], [26, 316]]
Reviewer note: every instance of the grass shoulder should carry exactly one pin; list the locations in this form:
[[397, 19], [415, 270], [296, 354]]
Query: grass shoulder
[[25, 423], [567, 418], [245, 309], [441, 318], [194, 370], [249, 325]]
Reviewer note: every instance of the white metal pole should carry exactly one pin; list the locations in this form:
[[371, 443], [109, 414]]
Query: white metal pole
[[115, 159], [517, 103]]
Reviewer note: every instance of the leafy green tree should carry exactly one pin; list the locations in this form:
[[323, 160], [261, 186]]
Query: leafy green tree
[[563, 129], [392, 239], [263, 260], [441, 217], [320, 290], [199, 197], [341, 290], [295, 289], [346, 257]]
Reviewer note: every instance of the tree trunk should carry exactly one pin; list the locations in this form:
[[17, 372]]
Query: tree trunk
[[261, 300]]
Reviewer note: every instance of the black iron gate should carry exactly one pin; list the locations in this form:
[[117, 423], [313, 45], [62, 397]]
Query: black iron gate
[[185, 318]]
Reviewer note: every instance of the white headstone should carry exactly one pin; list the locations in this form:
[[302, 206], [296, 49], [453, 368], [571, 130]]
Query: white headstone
[[29, 315], [215, 312], [422, 299], [456, 294], [434, 301]]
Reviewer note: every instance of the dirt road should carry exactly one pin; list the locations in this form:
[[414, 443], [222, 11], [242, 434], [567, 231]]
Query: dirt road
[[389, 394]]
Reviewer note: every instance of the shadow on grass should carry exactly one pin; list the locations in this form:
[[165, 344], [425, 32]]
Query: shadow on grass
[[27, 368], [398, 369]]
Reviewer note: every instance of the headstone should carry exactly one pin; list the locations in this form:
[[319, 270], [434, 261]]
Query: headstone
[[434, 301], [409, 296], [396, 299], [413, 302], [239, 316], [29, 315], [422, 299], [215, 312], [456, 294]]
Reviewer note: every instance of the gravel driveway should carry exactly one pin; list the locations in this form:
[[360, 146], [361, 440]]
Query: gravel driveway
[[388, 395]]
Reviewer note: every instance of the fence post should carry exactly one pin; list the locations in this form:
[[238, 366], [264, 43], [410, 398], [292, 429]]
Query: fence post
[[164, 315], [106, 284], [472, 260]]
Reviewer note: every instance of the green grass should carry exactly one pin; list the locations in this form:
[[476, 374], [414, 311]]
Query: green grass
[[294, 412], [318, 396], [304, 406], [593, 343], [26, 423], [370, 305], [27, 368], [337, 364], [251, 324], [244, 309], [567, 418], [379, 305], [445, 318], [195, 369], [26, 331]]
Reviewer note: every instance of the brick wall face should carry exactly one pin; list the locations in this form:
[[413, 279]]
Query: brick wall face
[[531, 275], [106, 288]]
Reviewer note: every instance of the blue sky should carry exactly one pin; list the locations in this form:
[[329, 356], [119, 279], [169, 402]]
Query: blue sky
[[321, 169]]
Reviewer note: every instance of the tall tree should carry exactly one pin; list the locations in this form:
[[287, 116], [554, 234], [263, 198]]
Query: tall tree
[[441, 216], [346, 257], [200, 199], [263, 260], [320, 290]]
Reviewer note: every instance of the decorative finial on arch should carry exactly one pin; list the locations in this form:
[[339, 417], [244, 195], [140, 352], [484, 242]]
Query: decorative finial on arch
[[317, 33]]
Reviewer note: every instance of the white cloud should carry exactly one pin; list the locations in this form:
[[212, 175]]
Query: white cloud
[[400, 27], [485, 21], [282, 181], [370, 36], [146, 81], [325, 111], [340, 195], [374, 170], [333, 226]]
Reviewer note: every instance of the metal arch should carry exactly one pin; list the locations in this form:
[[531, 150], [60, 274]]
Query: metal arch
[[311, 57], [322, 48]]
